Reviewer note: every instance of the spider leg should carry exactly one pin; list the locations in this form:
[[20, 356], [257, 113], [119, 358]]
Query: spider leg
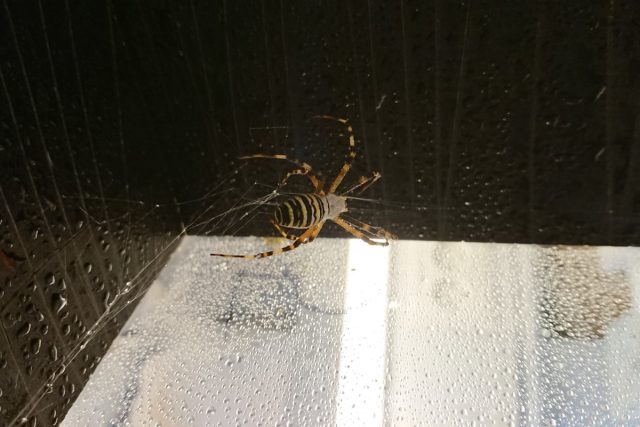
[[293, 237], [359, 234], [304, 168], [371, 229], [364, 182], [282, 232], [306, 237], [315, 181], [315, 233], [352, 153]]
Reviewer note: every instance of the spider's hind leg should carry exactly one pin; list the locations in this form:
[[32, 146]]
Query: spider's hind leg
[[282, 232], [306, 237]]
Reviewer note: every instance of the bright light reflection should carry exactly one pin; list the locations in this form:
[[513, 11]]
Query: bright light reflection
[[363, 346]]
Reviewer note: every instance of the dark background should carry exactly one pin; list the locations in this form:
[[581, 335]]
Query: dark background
[[490, 121]]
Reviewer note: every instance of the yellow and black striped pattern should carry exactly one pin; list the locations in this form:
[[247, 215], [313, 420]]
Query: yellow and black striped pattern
[[310, 211], [308, 236], [351, 157], [302, 211]]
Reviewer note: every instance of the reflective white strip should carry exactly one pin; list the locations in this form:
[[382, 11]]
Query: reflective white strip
[[361, 374]]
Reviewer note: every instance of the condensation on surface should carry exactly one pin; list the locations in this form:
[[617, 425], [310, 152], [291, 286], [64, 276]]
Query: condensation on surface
[[115, 115], [338, 332]]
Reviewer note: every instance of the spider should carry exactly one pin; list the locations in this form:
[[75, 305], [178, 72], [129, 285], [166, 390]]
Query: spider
[[310, 211]]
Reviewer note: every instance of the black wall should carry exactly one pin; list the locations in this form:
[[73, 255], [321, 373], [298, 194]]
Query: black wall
[[489, 120]]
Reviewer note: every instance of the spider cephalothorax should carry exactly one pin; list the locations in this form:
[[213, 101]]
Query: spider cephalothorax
[[310, 211]]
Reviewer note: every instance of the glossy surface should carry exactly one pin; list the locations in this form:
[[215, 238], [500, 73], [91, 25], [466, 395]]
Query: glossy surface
[[338, 332]]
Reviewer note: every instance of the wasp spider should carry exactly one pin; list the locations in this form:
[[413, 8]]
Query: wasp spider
[[310, 211]]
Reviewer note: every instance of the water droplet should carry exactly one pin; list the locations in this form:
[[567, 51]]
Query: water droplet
[[35, 345], [24, 329], [53, 353], [59, 302], [50, 279]]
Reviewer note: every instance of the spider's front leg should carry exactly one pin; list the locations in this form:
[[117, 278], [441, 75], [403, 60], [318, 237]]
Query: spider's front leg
[[379, 232], [352, 153], [364, 182]]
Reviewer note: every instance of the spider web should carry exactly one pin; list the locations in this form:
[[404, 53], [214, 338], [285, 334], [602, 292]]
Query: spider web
[[209, 220], [232, 207]]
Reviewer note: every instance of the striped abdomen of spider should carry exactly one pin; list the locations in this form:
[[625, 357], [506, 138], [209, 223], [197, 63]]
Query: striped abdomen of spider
[[306, 210], [310, 211]]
